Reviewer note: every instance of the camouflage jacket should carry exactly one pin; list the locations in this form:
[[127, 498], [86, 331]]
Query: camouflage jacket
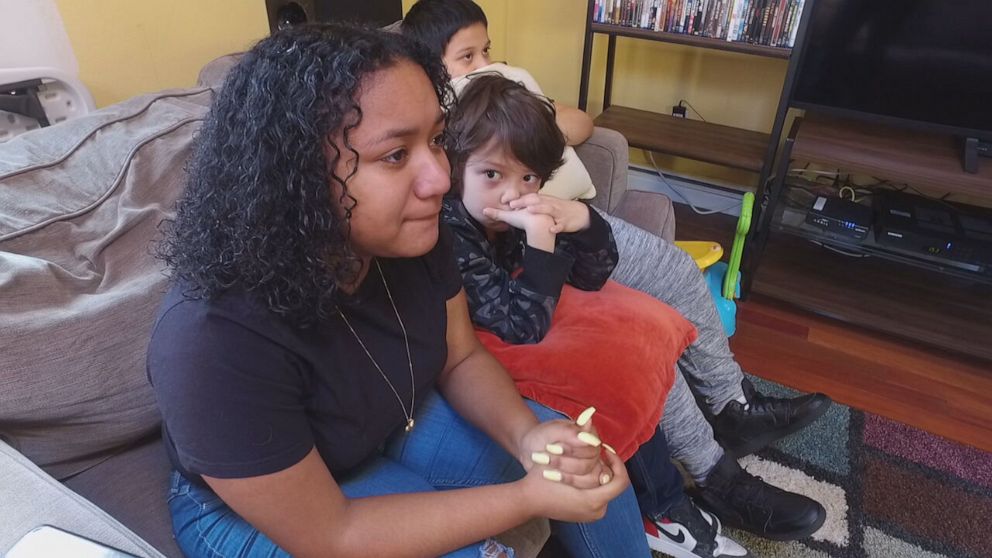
[[513, 289]]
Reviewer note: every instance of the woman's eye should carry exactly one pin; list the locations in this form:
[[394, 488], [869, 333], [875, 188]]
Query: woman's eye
[[438, 140], [468, 57], [396, 156], [531, 178], [491, 174], [485, 52]]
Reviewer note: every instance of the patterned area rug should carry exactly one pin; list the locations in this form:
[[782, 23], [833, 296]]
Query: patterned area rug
[[890, 490]]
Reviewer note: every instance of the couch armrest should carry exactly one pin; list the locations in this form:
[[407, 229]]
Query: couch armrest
[[606, 156], [213, 73], [651, 211], [32, 498]]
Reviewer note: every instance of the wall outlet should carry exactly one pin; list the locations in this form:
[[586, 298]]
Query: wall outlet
[[678, 111]]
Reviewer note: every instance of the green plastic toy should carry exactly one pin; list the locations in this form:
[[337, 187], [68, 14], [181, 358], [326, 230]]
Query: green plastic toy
[[730, 279]]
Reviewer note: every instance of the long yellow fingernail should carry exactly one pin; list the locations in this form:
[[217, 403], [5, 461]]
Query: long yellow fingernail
[[540, 458], [585, 416], [604, 478], [609, 448], [555, 449], [552, 475], [590, 439]]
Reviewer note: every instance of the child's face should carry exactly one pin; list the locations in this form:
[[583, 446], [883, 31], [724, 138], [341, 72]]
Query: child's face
[[494, 178], [467, 51]]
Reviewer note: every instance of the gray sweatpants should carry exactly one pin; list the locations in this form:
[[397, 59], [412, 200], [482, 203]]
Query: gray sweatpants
[[654, 266]]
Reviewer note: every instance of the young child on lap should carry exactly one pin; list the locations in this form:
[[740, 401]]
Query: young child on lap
[[528, 259]]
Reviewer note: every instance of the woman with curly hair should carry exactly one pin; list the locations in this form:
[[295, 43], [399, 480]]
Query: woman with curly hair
[[321, 387]]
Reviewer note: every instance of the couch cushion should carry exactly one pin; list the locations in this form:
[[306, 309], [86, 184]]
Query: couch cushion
[[32, 498], [132, 486], [614, 349], [213, 74], [606, 156], [79, 206], [651, 211]]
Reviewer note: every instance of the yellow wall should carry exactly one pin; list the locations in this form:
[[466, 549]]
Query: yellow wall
[[128, 47], [546, 37]]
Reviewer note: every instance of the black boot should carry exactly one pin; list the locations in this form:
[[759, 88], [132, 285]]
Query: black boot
[[744, 429], [742, 500]]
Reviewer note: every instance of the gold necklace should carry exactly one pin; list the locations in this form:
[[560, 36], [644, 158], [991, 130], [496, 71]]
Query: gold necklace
[[409, 360]]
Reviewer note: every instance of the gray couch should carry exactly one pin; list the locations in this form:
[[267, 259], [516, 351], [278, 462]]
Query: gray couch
[[80, 203]]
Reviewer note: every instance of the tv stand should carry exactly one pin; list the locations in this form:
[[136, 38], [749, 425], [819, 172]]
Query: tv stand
[[934, 303], [973, 147]]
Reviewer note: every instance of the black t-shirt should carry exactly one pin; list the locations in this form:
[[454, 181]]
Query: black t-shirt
[[244, 393]]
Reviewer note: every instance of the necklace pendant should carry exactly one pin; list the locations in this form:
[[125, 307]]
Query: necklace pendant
[[409, 425]]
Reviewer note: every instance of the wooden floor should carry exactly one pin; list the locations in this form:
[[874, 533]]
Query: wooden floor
[[944, 394], [932, 389], [923, 387], [906, 301]]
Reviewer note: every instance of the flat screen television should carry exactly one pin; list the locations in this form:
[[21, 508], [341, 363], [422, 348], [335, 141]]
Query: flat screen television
[[921, 63]]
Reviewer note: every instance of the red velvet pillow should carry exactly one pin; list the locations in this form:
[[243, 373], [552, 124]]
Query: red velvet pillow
[[614, 349]]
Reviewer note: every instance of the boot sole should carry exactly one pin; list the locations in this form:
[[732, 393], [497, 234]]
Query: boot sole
[[790, 536], [760, 442]]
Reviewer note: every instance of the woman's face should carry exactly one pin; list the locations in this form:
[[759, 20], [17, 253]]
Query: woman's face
[[402, 171]]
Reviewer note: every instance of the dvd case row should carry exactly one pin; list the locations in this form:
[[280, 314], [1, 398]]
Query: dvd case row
[[763, 22]]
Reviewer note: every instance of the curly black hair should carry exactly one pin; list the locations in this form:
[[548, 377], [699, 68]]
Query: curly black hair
[[258, 213]]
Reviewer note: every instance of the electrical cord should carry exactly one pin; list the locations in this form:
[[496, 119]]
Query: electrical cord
[[695, 209], [846, 187], [881, 182], [805, 170], [803, 188], [683, 101], [854, 196], [833, 176], [839, 251]]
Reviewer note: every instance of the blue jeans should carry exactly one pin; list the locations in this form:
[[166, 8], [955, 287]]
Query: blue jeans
[[442, 452], [656, 481]]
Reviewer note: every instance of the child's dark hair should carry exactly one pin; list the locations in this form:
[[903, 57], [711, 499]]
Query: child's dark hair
[[492, 107], [434, 22]]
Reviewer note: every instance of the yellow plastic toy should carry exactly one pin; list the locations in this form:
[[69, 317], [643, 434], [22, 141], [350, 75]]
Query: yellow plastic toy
[[723, 279], [705, 252]]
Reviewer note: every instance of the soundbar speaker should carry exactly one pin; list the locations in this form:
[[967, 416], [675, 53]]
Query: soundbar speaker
[[287, 13]]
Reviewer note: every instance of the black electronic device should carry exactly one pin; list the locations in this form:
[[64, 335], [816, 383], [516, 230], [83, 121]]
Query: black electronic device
[[840, 217], [922, 63], [286, 13], [918, 225]]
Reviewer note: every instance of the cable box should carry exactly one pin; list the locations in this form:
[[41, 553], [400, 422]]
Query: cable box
[[840, 217], [920, 225]]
